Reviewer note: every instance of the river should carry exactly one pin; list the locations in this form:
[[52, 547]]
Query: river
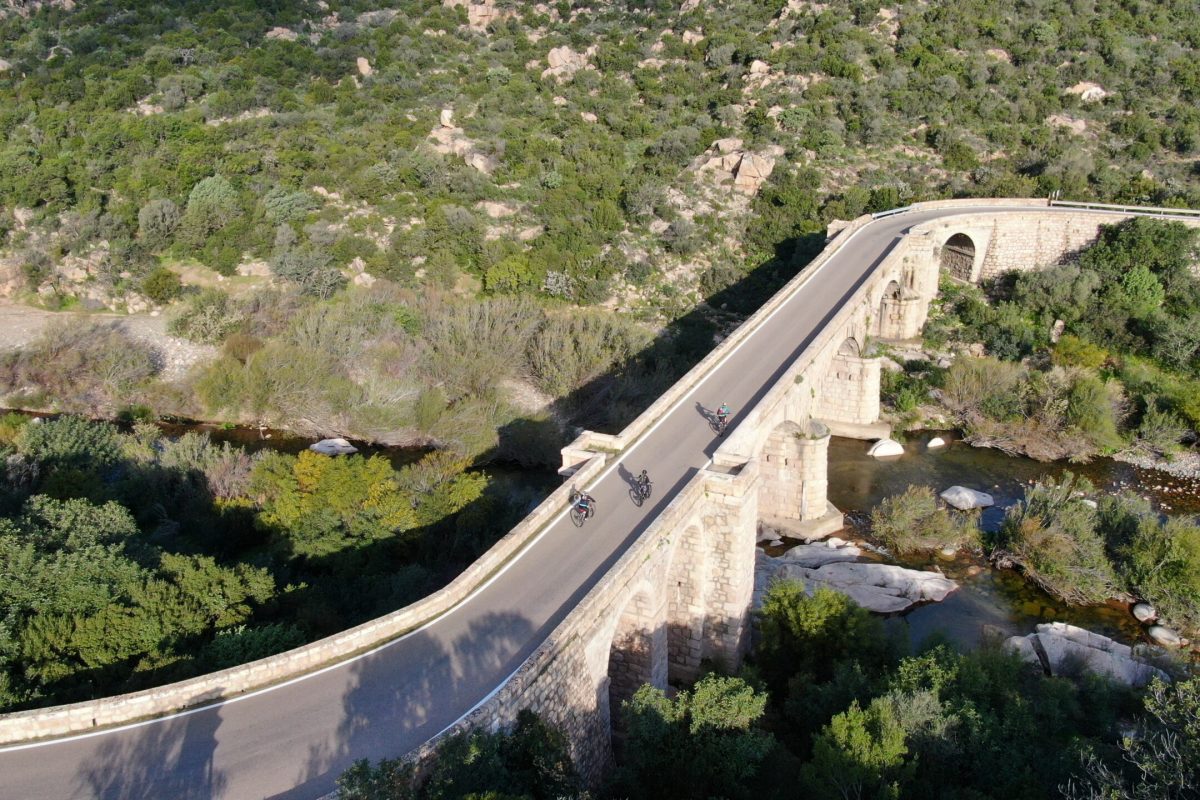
[[992, 600]]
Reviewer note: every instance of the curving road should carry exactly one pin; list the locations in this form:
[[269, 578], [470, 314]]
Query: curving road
[[292, 741]]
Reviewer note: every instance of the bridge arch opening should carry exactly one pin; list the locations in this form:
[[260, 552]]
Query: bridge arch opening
[[891, 315], [850, 347], [638, 653], [958, 257]]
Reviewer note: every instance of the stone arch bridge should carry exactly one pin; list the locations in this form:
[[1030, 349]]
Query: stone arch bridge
[[567, 621]]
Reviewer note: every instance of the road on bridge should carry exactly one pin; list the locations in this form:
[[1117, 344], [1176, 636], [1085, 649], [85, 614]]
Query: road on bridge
[[293, 740]]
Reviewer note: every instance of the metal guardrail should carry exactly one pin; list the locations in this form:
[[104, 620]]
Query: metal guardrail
[[890, 212], [1141, 211]]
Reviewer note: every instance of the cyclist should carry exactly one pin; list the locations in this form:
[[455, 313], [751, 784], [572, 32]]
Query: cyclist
[[643, 482], [586, 504], [722, 414]]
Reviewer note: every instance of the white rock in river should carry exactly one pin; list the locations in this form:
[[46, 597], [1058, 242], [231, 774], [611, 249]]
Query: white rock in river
[[1163, 635], [1144, 612], [883, 588], [333, 447], [818, 555], [1062, 648], [935, 443], [886, 447], [965, 499]]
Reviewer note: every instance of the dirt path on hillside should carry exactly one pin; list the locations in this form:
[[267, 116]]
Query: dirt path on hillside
[[20, 325]]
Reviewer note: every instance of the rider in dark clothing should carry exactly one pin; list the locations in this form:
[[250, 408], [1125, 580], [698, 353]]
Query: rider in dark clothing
[[643, 480], [586, 504]]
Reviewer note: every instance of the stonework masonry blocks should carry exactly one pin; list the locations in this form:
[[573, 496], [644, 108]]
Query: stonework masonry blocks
[[794, 473], [850, 391]]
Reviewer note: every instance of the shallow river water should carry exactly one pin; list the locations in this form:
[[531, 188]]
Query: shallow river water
[[999, 601]]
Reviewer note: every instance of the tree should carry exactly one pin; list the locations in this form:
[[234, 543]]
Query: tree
[[701, 744], [859, 755], [162, 286], [529, 762], [318, 505], [157, 221], [211, 206], [809, 636], [1160, 762]]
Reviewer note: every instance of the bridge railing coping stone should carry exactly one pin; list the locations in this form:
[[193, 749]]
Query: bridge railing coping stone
[[121, 709]]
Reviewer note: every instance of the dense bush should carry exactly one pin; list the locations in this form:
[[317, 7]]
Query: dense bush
[[1045, 414], [1128, 308], [912, 522], [1052, 536], [530, 762], [701, 743], [94, 367], [1158, 560], [162, 286]]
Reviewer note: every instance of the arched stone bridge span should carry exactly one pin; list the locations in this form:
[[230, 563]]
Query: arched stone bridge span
[[562, 620]]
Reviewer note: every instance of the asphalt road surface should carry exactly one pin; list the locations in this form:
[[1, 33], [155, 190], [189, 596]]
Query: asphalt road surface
[[293, 741]]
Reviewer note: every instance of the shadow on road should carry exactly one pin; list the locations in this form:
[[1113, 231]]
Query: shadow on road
[[400, 697], [173, 758]]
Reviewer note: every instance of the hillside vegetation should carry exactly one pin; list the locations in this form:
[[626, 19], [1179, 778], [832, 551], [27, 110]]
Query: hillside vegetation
[[556, 150]]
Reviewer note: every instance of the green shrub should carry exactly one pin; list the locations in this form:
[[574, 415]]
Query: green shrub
[[1158, 560], [1052, 536], [207, 317], [702, 743], [94, 367], [161, 286], [1092, 407], [1071, 351], [912, 522]]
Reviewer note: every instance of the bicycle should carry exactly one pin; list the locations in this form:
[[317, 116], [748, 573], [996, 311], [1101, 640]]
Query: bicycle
[[719, 424], [640, 493], [578, 515]]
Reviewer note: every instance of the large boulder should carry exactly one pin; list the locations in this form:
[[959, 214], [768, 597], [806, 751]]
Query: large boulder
[[820, 554], [333, 447], [1088, 91], [752, 171], [565, 62], [885, 448], [480, 13], [965, 499], [1164, 636], [1063, 649], [882, 588], [1144, 612]]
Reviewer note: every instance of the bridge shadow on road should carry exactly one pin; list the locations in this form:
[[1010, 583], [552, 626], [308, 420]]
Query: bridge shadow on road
[[172, 758], [400, 697]]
